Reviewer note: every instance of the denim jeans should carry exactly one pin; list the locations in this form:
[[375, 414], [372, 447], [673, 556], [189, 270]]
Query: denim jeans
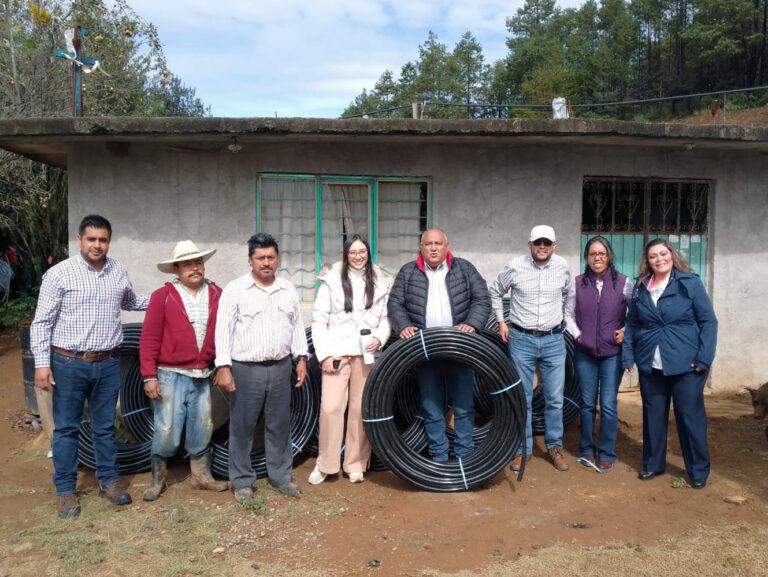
[[99, 383], [182, 399], [598, 376], [442, 383], [548, 354]]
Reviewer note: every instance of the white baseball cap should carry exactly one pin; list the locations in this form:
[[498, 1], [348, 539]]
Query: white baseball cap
[[542, 231]]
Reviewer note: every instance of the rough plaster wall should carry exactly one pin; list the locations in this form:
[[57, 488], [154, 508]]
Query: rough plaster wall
[[485, 196]]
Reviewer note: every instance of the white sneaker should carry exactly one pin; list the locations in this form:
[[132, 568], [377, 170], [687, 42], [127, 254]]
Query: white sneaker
[[356, 478], [316, 476]]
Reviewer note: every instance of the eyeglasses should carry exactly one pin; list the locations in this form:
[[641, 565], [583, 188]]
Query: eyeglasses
[[361, 252], [542, 242], [598, 255]]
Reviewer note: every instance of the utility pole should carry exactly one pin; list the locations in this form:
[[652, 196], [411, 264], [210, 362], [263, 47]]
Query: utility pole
[[78, 61]]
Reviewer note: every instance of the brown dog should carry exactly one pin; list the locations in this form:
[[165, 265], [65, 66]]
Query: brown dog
[[760, 403]]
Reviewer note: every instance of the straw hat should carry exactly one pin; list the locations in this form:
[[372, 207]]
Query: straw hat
[[184, 250]]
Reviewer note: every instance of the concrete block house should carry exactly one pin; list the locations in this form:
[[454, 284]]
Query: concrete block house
[[310, 182]]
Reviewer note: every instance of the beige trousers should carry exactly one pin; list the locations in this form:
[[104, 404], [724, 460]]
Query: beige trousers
[[342, 391]]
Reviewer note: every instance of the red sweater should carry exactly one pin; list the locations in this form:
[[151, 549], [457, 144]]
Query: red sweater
[[168, 338]]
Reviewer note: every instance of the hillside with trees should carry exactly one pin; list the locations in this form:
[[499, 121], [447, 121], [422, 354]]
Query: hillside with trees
[[604, 51]]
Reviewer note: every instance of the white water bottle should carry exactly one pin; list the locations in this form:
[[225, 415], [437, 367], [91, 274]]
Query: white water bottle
[[365, 339]]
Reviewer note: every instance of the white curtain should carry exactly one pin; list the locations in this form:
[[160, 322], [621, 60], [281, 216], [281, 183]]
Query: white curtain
[[345, 212], [402, 219], [288, 214]]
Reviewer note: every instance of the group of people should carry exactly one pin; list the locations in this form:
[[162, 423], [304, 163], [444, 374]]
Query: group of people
[[248, 337]]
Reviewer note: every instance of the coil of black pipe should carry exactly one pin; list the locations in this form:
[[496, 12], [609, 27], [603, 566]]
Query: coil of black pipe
[[506, 430], [571, 390], [305, 408], [132, 457]]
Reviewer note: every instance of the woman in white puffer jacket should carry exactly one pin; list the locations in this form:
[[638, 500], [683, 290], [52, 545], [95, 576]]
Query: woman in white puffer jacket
[[352, 297]]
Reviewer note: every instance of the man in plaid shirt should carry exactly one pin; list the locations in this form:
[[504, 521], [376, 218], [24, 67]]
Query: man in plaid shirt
[[76, 338]]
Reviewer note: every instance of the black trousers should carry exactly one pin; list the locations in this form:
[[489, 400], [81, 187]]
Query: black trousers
[[686, 391]]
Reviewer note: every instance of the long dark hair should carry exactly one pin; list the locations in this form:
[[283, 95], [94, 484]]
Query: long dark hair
[[369, 274], [609, 249]]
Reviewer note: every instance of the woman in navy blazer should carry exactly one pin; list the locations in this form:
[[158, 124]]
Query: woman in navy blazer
[[671, 335]]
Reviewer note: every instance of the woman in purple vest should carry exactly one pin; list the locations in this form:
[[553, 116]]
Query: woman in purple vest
[[594, 315]]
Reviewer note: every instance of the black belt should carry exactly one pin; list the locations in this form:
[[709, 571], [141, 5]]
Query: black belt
[[536, 333], [263, 363], [88, 356]]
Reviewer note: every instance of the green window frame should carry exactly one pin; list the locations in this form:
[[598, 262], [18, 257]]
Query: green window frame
[[376, 186]]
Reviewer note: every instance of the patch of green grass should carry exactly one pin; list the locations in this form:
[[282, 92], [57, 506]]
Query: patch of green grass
[[255, 504], [169, 540]]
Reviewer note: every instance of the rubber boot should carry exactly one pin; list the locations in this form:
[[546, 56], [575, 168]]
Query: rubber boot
[[200, 467], [159, 468]]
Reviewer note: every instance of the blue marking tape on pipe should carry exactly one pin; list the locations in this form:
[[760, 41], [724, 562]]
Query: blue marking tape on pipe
[[378, 420], [136, 411], [463, 476], [423, 345], [504, 390]]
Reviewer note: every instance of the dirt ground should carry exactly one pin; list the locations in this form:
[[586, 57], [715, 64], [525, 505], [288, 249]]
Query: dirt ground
[[753, 117], [579, 520]]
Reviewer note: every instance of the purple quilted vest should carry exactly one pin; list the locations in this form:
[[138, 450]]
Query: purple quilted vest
[[598, 315]]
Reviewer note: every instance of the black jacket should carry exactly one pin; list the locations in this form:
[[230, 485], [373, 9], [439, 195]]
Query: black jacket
[[467, 291]]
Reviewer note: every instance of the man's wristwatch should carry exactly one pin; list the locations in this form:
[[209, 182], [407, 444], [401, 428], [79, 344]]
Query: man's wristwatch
[[301, 358]]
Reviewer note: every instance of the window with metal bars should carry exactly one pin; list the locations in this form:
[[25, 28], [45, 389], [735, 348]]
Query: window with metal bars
[[390, 212], [652, 206]]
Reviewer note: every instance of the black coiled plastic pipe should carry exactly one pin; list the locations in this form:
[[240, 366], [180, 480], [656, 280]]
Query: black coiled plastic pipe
[[505, 432]]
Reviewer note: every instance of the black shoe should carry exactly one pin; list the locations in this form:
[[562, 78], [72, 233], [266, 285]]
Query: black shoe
[[648, 475], [698, 484]]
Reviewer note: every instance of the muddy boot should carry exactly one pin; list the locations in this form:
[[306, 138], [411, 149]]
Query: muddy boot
[[200, 468], [158, 485]]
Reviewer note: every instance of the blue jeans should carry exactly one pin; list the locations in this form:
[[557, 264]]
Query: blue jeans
[[182, 399], [442, 383], [598, 376], [548, 354], [76, 381]]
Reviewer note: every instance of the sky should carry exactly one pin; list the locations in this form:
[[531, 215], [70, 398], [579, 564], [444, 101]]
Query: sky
[[309, 57]]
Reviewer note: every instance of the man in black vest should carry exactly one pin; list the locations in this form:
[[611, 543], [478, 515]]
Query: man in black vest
[[440, 290]]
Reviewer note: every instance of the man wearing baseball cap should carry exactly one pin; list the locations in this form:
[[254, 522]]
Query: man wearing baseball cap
[[176, 351], [537, 284]]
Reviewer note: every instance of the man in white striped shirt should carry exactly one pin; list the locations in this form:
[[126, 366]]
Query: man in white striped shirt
[[76, 338], [538, 285], [258, 331]]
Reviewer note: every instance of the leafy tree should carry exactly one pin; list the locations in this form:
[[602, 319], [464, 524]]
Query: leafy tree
[[134, 80]]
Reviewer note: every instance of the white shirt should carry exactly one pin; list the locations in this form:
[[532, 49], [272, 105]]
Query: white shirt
[[257, 323], [656, 292], [79, 308], [537, 292], [438, 312]]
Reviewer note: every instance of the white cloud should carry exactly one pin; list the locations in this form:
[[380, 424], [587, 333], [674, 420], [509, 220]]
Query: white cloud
[[304, 57]]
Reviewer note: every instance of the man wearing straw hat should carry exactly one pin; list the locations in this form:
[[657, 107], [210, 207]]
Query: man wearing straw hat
[[176, 351]]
